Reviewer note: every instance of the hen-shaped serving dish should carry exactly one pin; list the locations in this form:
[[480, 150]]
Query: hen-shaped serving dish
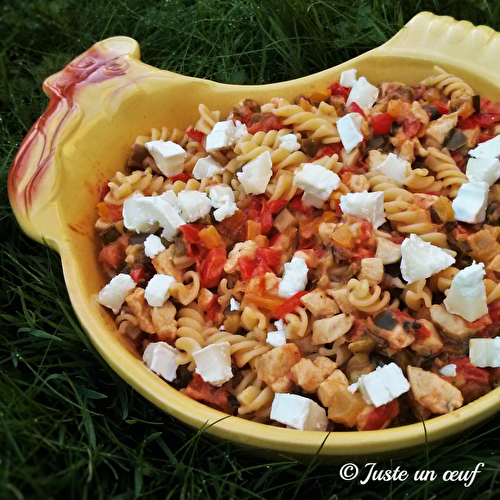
[[104, 99]]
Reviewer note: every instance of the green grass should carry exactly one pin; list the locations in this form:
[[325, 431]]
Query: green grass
[[69, 427]]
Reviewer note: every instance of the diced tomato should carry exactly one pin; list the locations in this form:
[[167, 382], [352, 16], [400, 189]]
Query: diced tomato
[[234, 226], [195, 135], [441, 107], [338, 90], [360, 254], [214, 309], [382, 123], [191, 236], [252, 267], [466, 123], [289, 305], [411, 126], [267, 122], [113, 254], [469, 371], [217, 397], [274, 206], [212, 268], [298, 205], [328, 150], [259, 212], [183, 177], [354, 107], [488, 106], [191, 232], [380, 417], [247, 266], [480, 323], [422, 332], [110, 212], [266, 222], [271, 256], [485, 120], [142, 272], [137, 274], [494, 312]]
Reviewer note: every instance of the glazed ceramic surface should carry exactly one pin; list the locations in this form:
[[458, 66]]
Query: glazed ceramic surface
[[106, 97]]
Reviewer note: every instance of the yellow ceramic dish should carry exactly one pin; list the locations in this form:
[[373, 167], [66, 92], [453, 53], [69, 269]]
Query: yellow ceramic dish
[[106, 97]]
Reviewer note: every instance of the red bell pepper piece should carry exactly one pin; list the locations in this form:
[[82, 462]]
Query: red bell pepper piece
[[270, 255], [212, 267], [274, 206], [338, 90], [354, 107], [289, 305], [469, 371], [441, 107], [382, 123], [195, 135], [379, 416]]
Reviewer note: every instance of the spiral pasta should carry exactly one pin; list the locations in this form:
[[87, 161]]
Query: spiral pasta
[[442, 164], [417, 295], [451, 86], [262, 279]]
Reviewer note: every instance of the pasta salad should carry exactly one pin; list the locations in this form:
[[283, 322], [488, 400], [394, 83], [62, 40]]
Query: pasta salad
[[330, 263]]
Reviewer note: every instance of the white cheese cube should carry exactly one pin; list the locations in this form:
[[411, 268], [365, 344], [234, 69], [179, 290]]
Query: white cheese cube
[[241, 130], [294, 277], [483, 169], [140, 214], [470, 203], [222, 136], [153, 246], [311, 200], [383, 385], [194, 205], [316, 180], [289, 142], [349, 128], [168, 155], [485, 352], [365, 205], [487, 149], [168, 218], [420, 259], [145, 214], [279, 324], [395, 168], [220, 195], [234, 305], [363, 93], [348, 78], [256, 174], [225, 211], [113, 294], [207, 167], [171, 198], [298, 412], [222, 198], [157, 289], [353, 387], [213, 363], [467, 293], [161, 358], [449, 370], [276, 338]]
